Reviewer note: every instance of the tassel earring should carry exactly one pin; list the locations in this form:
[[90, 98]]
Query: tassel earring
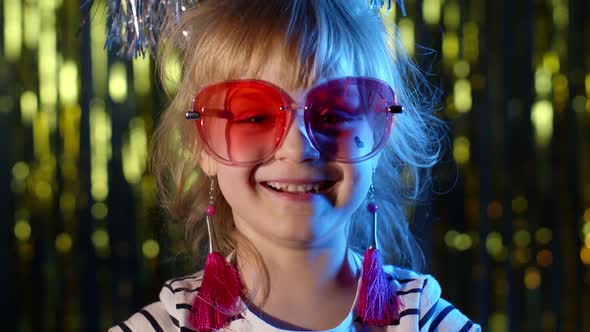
[[378, 304], [218, 299]]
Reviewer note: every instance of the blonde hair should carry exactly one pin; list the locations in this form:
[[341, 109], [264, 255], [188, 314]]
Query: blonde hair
[[228, 39]]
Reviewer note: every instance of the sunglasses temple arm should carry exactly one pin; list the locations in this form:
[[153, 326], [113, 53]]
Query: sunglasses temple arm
[[192, 115], [395, 109]]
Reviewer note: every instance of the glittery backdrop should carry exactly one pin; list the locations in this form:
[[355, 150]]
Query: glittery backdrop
[[83, 245]]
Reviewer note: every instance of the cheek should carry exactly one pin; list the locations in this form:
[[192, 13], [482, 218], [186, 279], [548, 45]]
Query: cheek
[[234, 183], [237, 188], [355, 186]]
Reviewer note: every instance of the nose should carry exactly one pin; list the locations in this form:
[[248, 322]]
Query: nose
[[296, 146]]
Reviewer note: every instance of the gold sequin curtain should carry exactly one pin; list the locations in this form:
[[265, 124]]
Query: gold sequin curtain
[[83, 244]]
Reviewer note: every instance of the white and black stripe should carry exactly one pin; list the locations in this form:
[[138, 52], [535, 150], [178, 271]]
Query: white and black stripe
[[445, 314], [152, 320], [124, 327], [423, 308]]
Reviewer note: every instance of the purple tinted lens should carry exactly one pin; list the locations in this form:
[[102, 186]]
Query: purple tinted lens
[[348, 118]]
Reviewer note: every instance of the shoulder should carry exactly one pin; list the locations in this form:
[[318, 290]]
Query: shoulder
[[151, 318], [168, 314], [420, 295]]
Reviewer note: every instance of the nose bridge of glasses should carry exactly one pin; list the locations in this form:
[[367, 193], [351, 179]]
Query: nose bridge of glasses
[[297, 144], [298, 123], [297, 116]]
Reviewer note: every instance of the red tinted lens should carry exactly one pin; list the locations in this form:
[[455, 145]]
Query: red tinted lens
[[241, 121], [348, 118]]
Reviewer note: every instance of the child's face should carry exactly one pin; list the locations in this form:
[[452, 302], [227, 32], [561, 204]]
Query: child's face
[[283, 217]]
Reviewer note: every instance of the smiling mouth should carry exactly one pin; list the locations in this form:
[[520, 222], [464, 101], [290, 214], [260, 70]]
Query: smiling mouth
[[308, 188]]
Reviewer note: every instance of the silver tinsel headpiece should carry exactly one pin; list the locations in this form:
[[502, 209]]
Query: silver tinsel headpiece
[[134, 26]]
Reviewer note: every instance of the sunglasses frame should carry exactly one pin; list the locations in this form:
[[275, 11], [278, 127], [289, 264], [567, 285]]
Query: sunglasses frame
[[391, 107]]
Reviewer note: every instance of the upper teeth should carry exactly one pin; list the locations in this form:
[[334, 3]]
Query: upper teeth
[[295, 188]]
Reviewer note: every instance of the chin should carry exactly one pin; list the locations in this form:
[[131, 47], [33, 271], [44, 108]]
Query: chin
[[296, 230], [304, 233]]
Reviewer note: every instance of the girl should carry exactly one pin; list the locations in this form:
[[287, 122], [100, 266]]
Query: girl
[[306, 121]]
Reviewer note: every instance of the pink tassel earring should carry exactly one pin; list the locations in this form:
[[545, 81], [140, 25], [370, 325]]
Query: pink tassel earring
[[378, 304], [218, 299]]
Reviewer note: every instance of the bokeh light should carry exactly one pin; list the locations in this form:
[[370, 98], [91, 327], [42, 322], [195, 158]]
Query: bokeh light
[[514, 193], [63, 243], [100, 239], [495, 210], [22, 230], [542, 118], [522, 238], [585, 255], [150, 249], [461, 149], [532, 278], [544, 258], [118, 82], [543, 235], [519, 204]]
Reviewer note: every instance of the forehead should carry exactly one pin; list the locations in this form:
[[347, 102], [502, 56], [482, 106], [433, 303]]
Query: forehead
[[279, 71], [274, 72]]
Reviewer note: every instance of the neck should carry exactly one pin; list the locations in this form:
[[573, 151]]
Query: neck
[[299, 276]]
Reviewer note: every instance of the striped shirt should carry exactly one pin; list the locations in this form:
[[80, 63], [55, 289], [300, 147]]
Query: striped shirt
[[423, 309]]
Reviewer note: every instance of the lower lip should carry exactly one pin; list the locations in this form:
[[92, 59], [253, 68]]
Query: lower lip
[[296, 197]]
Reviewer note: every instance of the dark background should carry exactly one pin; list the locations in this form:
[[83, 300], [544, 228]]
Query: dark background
[[83, 245]]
